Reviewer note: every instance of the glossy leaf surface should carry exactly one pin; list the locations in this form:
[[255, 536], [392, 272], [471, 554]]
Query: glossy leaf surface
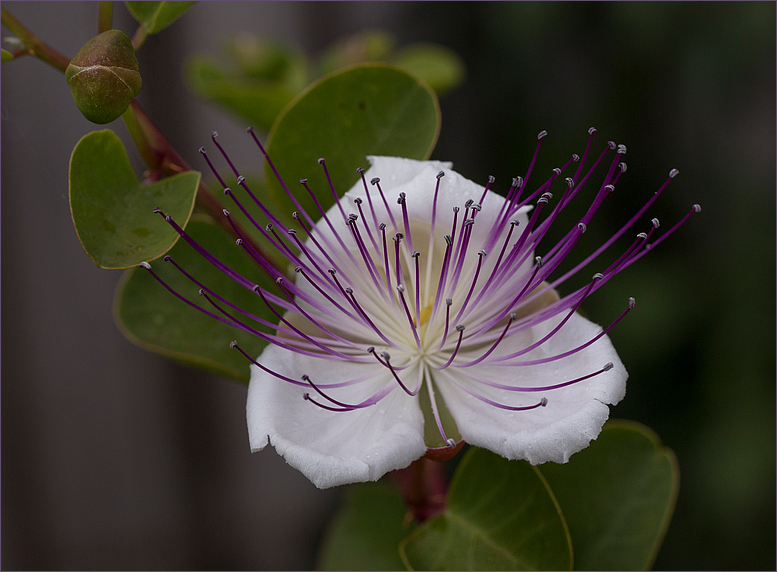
[[366, 110], [156, 16], [113, 213], [617, 496], [500, 515]]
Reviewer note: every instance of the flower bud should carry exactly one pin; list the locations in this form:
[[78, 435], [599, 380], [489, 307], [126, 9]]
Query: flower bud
[[104, 76]]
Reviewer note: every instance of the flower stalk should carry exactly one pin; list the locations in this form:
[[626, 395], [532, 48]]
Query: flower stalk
[[423, 486], [34, 45]]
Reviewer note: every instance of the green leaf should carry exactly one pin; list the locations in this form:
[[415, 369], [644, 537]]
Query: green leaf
[[6, 55], [438, 66], [156, 16], [367, 110], [257, 101], [366, 532], [618, 496], [500, 515], [155, 319], [112, 211]]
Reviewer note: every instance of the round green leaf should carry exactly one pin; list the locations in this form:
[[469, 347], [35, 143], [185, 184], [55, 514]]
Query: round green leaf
[[113, 213], [366, 532], [500, 515], [153, 318], [618, 496], [156, 16], [367, 110]]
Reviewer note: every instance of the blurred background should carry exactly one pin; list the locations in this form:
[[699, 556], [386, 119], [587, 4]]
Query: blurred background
[[115, 458]]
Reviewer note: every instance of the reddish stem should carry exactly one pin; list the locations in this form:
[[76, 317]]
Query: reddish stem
[[158, 154], [424, 487]]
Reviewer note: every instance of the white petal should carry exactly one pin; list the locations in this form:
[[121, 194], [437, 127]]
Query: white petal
[[574, 414], [332, 448], [395, 171]]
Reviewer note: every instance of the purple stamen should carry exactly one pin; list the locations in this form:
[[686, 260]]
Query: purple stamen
[[376, 181], [459, 329], [401, 290], [398, 265], [386, 362], [402, 200], [448, 303], [369, 198], [481, 256]]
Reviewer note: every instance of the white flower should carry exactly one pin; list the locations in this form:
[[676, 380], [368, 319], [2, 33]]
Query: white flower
[[420, 316]]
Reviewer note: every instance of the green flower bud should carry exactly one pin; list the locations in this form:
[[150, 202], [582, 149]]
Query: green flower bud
[[104, 76]]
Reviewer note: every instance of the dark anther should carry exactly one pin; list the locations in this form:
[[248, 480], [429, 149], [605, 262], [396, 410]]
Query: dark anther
[[167, 258], [544, 401], [441, 174], [303, 181], [375, 181], [542, 134], [232, 344], [359, 170], [608, 366], [321, 161]]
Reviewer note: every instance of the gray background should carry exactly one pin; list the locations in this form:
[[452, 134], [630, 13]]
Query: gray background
[[114, 458]]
